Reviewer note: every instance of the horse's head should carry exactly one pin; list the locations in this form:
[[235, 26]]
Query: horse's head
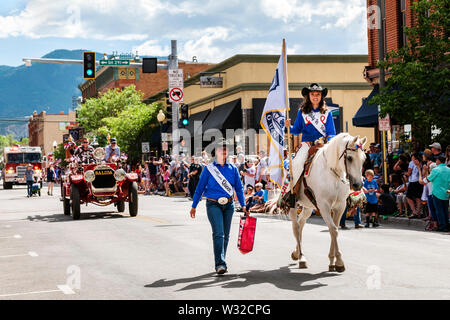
[[354, 159], [345, 154]]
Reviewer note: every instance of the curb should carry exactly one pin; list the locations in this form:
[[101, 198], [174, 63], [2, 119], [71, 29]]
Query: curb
[[412, 223]]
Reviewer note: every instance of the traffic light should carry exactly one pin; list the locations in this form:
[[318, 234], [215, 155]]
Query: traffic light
[[184, 116], [168, 108], [88, 65], [149, 65]]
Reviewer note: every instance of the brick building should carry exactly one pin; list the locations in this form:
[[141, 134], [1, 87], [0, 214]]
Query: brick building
[[44, 129], [148, 83], [396, 14]]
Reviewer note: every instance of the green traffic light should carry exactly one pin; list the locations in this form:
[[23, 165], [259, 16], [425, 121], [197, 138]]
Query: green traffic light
[[185, 122], [89, 72]]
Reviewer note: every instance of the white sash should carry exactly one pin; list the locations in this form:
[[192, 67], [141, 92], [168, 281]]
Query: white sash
[[226, 186], [318, 120]]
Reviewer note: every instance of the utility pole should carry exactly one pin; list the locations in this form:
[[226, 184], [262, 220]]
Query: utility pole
[[171, 65], [381, 80]]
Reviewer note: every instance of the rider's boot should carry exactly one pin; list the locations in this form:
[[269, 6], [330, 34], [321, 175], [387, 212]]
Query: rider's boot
[[367, 225]]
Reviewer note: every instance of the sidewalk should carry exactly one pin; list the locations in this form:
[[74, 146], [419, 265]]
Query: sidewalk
[[391, 221]]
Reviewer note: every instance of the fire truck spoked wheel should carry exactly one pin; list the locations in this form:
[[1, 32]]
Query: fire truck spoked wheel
[[121, 206]]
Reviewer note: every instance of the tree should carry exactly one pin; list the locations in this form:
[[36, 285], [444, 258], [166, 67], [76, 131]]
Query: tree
[[417, 91], [120, 114]]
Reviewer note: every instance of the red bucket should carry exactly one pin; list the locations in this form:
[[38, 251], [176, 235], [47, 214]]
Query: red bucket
[[246, 238]]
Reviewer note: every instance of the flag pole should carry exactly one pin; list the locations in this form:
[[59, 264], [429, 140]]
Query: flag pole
[[286, 95]]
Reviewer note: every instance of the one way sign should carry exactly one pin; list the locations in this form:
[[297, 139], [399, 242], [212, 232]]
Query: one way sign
[[176, 95]]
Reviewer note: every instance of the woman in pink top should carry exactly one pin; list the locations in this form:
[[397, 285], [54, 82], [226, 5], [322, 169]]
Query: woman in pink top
[[166, 176]]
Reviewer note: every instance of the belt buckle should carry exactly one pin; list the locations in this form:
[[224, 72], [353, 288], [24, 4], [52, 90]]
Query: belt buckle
[[222, 200]]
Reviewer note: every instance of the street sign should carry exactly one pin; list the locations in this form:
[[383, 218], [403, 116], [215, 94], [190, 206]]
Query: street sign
[[176, 78], [384, 124], [114, 62], [145, 147], [211, 82], [176, 95], [165, 146]]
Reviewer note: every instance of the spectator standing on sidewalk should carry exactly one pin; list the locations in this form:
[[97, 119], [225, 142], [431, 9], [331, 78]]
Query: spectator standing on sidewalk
[[29, 177], [370, 189], [440, 177]]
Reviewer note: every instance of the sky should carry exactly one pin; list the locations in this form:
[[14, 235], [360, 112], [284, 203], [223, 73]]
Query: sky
[[210, 30]]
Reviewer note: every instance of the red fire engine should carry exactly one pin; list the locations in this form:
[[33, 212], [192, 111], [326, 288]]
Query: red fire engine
[[15, 160]]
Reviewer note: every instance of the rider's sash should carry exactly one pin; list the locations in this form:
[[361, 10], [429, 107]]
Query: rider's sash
[[226, 186], [318, 120]]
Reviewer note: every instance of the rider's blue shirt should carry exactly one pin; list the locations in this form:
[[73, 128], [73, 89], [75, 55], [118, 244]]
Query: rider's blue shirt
[[309, 132], [211, 188]]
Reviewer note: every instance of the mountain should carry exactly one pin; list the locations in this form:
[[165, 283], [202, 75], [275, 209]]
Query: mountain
[[42, 86]]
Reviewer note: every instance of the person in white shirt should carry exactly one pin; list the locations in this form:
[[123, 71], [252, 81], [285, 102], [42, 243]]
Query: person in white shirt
[[249, 174]]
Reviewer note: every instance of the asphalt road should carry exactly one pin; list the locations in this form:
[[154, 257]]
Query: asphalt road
[[164, 254]]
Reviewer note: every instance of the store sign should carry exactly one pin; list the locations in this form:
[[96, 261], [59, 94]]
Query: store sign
[[211, 82]]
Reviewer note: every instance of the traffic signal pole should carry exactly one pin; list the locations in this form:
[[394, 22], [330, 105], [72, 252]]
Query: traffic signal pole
[[171, 65]]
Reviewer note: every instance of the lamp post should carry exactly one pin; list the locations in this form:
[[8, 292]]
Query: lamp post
[[161, 117]]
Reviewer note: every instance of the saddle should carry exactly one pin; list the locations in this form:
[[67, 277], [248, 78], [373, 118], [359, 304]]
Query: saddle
[[306, 167]]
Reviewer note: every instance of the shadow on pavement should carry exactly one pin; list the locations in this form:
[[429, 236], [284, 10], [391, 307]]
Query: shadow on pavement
[[282, 278], [84, 216]]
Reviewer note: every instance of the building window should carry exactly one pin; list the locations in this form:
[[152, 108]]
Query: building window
[[402, 24]]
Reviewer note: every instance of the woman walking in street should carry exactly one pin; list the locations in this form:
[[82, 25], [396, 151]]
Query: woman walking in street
[[51, 177], [218, 182]]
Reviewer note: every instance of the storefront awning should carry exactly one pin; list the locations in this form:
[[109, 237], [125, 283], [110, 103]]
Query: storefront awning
[[196, 118], [226, 116], [367, 115]]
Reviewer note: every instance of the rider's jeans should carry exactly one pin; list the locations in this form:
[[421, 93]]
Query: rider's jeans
[[220, 217]]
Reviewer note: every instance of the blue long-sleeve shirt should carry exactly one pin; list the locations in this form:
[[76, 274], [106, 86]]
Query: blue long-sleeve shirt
[[309, 132], [211, 189]]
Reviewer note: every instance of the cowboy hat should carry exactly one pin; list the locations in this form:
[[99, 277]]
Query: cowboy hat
[[314, 87], [221, 143]]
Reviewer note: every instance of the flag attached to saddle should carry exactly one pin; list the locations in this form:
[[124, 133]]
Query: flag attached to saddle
[[272, 120]]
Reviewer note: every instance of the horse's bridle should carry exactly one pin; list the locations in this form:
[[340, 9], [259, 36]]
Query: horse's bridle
[[344, 154]]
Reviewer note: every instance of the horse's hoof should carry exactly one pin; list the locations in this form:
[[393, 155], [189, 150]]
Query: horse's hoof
[[294, 256], [340, 268], [331, 268], [302, 265]]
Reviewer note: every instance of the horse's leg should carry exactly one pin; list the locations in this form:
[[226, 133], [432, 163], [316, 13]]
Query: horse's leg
[[338, 211], [295, 228], [306, 213], [326, 215]]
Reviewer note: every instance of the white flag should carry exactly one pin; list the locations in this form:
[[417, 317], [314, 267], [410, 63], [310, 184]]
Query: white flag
[[273, 117]]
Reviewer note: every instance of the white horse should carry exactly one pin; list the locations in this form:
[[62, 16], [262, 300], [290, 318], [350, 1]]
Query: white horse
[[336, 168]]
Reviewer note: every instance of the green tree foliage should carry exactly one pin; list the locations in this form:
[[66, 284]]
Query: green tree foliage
[[121, 114], [417, 90], [8, 141], [60, 153]]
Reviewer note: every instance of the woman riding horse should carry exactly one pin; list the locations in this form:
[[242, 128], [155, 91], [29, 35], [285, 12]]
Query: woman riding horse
[[314, 122]]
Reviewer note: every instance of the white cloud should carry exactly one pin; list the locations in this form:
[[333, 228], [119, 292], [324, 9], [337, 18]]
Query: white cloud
[[342, 12]]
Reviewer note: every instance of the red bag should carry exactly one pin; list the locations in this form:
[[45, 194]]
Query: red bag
[[247, 228]]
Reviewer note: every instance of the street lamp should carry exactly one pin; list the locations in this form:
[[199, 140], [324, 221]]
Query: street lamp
[[161, 117]]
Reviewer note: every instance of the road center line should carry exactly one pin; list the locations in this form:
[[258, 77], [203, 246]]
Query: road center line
[[16, 236], [31, 254], [153, 219], [25, 293]]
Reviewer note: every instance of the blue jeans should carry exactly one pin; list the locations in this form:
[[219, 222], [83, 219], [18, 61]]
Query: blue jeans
[[431, 208], [219, 217], [356, 217], [29, 187], [441, 207]]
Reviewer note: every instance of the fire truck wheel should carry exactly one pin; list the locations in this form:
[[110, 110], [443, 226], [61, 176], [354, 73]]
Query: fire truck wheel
[[7, 185], [66, 203], [133, 204], [121, 206], [75, 197]]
